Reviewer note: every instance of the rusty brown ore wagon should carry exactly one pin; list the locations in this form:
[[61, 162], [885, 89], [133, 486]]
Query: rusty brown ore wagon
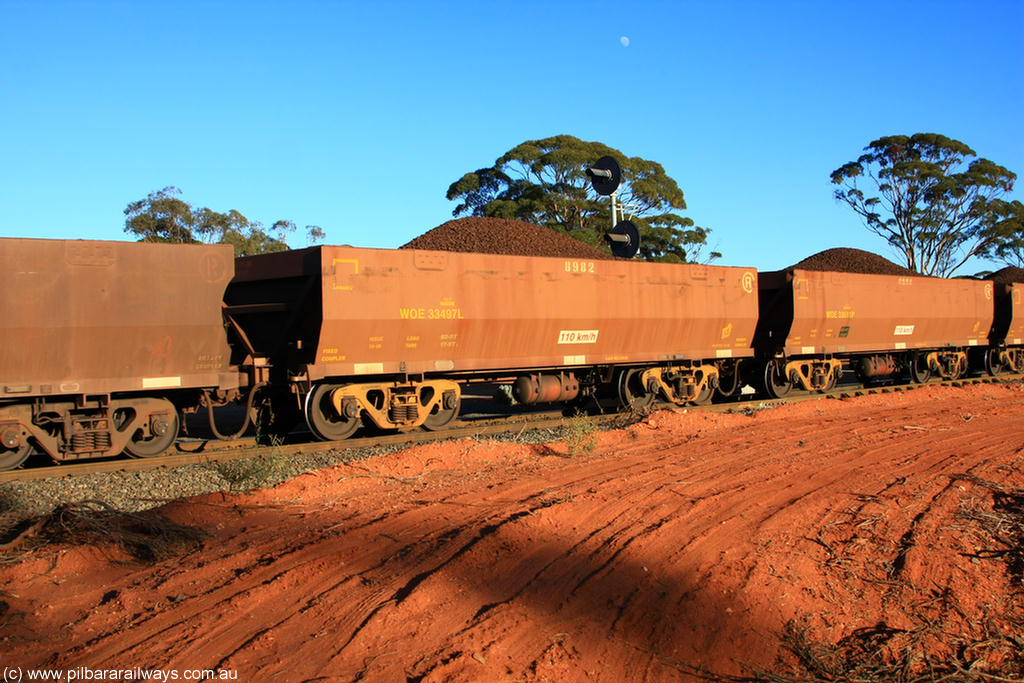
[[388, 336], [882, 325], [104, 342]]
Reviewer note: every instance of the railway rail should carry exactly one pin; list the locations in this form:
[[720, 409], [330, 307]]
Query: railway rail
[[197, 451]]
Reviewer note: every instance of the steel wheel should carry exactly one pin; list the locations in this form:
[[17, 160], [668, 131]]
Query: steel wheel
[[831, 384], [919, 370], [163, 434], [323, 420], [632, 393], [704, 397], [960, 370], [1016, 360], [993, 364], [776, 384], [12, 458], [444, 413]]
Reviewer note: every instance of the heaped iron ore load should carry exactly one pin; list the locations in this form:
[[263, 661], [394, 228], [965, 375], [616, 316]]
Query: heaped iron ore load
[[1007, 274], [484, 235], [103, 342], [849, 260], [386, 334]]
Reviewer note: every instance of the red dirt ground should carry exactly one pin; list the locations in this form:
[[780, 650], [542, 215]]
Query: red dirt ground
[[690, 542]]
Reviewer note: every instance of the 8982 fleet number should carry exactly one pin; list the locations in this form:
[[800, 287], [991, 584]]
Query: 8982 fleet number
[[579, 266]]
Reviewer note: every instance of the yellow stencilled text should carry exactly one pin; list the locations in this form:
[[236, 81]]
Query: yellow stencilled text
[[430, 313], [579, 267], [209, 361], [332, 356]]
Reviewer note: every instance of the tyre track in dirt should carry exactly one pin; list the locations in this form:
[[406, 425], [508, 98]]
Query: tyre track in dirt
[[685, 542]]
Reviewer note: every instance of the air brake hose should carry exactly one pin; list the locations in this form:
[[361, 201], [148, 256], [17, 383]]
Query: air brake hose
[[248, 412], [735, 383]]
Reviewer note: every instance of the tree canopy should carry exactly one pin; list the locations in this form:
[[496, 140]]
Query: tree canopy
[[544, 182], [1007, 220], [164, 217], [932, 200]]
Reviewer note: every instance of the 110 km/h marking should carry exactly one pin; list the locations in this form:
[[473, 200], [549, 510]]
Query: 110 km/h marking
[[577, 337]]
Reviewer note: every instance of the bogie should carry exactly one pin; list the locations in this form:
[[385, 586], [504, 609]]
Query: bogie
[[335, 411]]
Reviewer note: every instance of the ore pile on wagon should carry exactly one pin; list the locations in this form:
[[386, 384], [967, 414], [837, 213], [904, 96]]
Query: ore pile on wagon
[[849, 260], [485, 235], [1007, 274]]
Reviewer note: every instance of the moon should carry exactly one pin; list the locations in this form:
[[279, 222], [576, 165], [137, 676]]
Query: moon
[[624, 40]]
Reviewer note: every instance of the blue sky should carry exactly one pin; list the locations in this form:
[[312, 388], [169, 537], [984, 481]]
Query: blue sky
[[356, 116]]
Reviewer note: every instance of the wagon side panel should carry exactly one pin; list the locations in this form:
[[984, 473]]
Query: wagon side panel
[[854, 313], [87, 317], [424, 312]]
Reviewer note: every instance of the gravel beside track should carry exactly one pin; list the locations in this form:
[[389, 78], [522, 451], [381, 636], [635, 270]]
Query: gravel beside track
[[137, 491]]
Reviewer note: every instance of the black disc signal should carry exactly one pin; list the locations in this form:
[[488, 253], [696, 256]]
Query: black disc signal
[[605, 175], [624, 239]]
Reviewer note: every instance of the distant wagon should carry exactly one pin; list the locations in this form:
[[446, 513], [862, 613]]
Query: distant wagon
[[811, 322], [103, 343]]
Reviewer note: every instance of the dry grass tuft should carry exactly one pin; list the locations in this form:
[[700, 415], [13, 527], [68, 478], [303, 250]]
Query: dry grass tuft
[[142, 537], [245, 474], [581, 435]]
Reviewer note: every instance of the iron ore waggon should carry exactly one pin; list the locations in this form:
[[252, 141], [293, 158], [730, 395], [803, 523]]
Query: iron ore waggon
[[346, 335], [811, 322], [104, 343]]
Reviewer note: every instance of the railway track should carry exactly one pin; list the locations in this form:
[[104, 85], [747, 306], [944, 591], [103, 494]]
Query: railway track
[[198, 451]]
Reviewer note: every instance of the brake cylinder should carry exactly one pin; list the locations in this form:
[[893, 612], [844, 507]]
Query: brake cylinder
[[876, 366], [545, 388]]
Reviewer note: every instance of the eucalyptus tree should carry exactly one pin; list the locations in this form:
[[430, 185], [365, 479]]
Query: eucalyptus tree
[[930, 197], [164, 217], [544, 182]]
